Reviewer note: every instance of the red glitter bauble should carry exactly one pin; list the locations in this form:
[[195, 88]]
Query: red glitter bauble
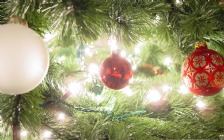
[[203, 71], [115, 72]]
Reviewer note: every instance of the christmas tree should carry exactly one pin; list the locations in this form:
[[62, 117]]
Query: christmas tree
[[146, 99]]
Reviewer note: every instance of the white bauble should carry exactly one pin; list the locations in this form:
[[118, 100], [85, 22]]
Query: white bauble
[[24, 59]]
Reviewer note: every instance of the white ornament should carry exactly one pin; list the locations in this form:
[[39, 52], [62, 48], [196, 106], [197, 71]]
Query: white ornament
[[24, 59]]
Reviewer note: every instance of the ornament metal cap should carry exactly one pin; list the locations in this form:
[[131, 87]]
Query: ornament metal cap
[[17, 20], [200, 44]]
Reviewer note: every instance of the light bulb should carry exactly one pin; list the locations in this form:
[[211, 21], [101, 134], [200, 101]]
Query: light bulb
[[49, 36], [153, 96], [99, 98], [183, 89], [61, 116], [167, 61], [47, 134], [90, 46], [127, 91], [74, 87], [88, 52], [93, 69], [178, 1], [134, 67], [137, 50], [123, 53], [131, 80], [201, 105], [166, 88], [23, 133]]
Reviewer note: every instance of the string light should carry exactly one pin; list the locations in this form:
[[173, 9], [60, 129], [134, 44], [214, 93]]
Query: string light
[[99, 98], [178, 1], [137, 50], [49, 36], [167, 61], [61, 116], [166, 88], [23, 133], [153, 96], [201, 105], [90, 46], [93, 69], [134, 67], [47, 134], [123, 53], [127, 91], [131, 80], [183, 89], [88, 52], [74, 87]]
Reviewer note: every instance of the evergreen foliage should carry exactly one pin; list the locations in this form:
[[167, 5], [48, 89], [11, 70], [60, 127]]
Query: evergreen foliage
[[158, 28]]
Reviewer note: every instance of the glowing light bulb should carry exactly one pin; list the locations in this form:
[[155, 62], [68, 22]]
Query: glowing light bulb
[[167, 61], [74, 87], [127, 91], [131, 80], [123, 53], [90, 46], [99, 98], [183, 89], [47, 134], [166, 88], [137, 50], [153, 96], [134, 67], [23, 133], [178, 1], [88, 52], [61, 116], [93, 69], [201, 105], [49, 36]]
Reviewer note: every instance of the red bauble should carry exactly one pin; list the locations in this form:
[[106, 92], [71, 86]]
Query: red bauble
[[203, 71], [115, 72]]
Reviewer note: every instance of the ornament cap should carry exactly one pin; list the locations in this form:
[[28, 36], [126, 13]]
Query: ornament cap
[[17, 20], [200, 45]]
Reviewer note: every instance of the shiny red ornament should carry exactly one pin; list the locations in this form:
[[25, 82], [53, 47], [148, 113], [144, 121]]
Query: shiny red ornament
[[115, 72], [203, 71]]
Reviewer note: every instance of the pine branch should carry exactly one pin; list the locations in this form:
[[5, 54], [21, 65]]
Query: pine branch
[[30, 11], [3, 14], [16, 121]]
